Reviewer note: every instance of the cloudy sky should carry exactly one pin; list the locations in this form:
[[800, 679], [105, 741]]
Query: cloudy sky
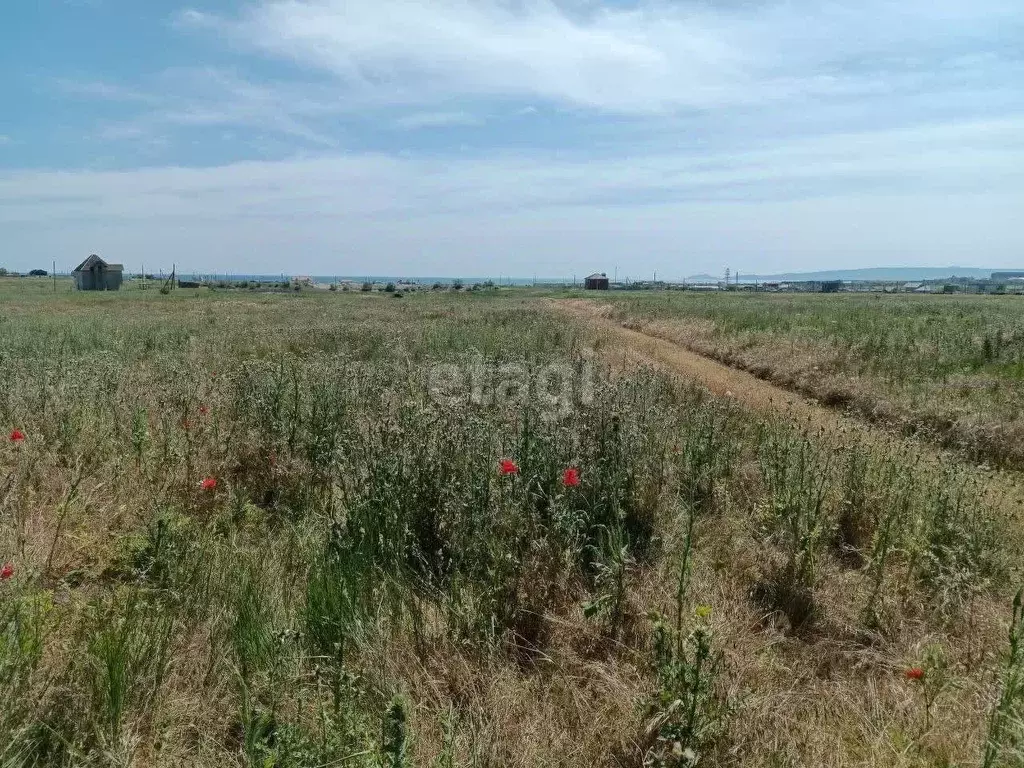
[[512, 137]]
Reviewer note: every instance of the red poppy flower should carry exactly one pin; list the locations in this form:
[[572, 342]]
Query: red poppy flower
[[914, 673], [508, 467], [7, 571], [208, 484], [204, 409], [17, 436], [571, 477]]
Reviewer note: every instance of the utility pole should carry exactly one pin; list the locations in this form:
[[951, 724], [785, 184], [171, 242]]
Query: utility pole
[[54, 273]]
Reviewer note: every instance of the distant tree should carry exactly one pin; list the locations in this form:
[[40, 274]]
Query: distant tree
[[831, 286], [39, 273], [437, 287], [3, 272], [389, 288], [396, 295], [457, 285], [949, 288]]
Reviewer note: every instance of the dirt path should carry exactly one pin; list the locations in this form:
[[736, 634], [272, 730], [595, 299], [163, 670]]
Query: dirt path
[[635, 347], [626, 347]]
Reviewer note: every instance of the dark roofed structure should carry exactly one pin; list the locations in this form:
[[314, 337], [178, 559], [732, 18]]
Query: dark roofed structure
[[596, 282], [94, 274]]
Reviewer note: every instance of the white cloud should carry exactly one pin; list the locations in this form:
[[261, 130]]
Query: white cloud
[[202, 97], [654, 57], [4, 139], [959, 157], [307, 211]]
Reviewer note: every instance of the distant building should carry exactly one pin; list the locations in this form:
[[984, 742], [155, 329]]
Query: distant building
[[1007, 275], [94, 274], [596, 282]]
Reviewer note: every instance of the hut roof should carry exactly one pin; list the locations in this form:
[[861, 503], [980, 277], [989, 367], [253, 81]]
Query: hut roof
[[95, 261], [597, 276]]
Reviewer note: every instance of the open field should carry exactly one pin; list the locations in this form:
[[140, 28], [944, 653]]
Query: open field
[[474, 530], [951, 368]]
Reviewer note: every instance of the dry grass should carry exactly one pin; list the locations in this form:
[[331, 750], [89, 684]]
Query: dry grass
[[946, 368]]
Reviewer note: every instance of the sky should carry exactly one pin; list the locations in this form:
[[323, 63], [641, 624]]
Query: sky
[[512, 137]]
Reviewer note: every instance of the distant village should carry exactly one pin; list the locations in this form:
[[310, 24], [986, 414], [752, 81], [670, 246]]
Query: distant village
[[997, 283], [95, 274]]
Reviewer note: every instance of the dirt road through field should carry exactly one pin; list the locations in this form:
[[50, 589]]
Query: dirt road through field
[[625, 346], [636, 347]]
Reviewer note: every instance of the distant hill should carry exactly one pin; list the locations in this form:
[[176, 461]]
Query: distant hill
[[881, 274]]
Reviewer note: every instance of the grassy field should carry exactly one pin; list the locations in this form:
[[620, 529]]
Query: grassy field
[[348, 530], [950, 367]]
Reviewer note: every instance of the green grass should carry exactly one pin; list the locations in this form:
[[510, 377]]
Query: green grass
[[363, 586]]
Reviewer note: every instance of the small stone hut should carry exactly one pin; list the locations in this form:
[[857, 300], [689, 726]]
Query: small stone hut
[[94, 274]]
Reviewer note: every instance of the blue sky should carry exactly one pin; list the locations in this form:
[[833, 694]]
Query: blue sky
[[487, 137]]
